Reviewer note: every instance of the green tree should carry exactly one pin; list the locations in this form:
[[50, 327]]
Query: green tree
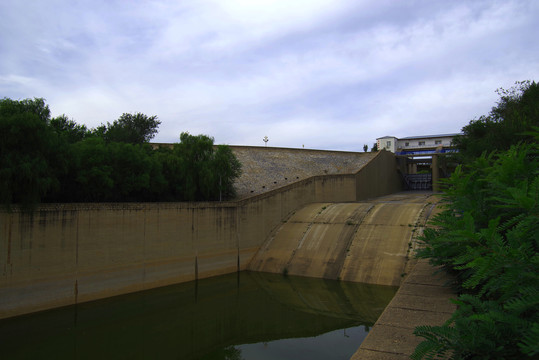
[[132, 128], [365, 148], [171, 170], [32, 155], [58, 160], [206, 172], [515, 114], [91, 173], [488, 236], [195, 153], [226, 168], [69, 129]]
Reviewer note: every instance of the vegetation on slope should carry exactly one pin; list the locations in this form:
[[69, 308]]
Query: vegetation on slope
[[45, 159], [488, 236]]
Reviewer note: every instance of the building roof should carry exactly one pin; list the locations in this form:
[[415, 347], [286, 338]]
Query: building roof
[[428, 136], [420, 136]]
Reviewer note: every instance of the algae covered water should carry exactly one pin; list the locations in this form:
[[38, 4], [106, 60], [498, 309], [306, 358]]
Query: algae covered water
[[233, 317]]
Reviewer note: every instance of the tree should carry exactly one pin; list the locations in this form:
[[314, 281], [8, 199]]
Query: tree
[[488, 236], [374, 147], [32, 155], [195, 153], [206, 172], [69, 129], [58, 160], [515, 114], [132, 128], [365, 148], [91, 178], [226, 167]]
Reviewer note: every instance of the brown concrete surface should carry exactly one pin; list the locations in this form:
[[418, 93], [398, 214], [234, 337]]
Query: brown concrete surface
[[423, 299], [63, 254], [368, 241], [268, 168]]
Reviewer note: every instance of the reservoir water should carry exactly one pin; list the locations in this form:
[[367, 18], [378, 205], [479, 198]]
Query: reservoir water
[[238, 316]]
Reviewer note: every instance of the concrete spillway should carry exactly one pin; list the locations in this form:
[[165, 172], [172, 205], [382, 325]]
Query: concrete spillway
[[368, 241]]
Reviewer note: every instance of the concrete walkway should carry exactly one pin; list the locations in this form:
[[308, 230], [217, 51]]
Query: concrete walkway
[[421, 300]]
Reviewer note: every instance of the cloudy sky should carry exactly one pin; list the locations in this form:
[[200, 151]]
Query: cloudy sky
[[323, 74]]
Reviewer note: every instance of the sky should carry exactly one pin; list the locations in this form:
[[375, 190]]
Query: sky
[[319, 74]]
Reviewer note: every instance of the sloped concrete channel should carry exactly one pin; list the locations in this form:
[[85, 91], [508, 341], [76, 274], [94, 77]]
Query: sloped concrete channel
[[369, 242]]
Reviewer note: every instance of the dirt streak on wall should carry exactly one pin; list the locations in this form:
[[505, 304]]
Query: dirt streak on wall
[[63, 254]]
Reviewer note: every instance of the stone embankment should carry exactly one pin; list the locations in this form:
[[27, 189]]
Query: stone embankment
[[423, 299], [265, 169]]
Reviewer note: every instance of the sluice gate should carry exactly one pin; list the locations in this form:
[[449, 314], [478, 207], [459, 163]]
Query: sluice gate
[[418, 181]]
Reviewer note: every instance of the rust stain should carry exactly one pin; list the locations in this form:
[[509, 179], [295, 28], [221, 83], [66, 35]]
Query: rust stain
[[76, 290], [9, 240]]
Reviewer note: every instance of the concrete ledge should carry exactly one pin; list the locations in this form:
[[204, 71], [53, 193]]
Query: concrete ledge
[[423, 299]]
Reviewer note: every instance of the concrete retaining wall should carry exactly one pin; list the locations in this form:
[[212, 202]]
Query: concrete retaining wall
[[68, 253]]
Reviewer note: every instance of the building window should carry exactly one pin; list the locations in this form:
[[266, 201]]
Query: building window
[[388, 145], [421, 143], [438, 142], [406, 144]]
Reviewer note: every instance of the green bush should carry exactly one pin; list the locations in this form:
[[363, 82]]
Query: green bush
[[57, 160], [488, 236]]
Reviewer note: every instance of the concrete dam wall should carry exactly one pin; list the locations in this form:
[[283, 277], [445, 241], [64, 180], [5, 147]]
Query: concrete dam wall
[[367, 241], [64, 254]]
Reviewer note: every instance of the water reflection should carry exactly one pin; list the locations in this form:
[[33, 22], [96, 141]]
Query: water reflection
[[237, 316]]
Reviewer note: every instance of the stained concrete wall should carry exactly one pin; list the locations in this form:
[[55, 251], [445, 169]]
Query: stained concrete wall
[[367, 241], [68, 253]]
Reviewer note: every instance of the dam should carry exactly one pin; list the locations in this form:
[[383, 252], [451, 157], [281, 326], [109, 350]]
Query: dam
[[65, 254], [367, 241]]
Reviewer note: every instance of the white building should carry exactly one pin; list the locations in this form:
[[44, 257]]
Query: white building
[[416, 145]]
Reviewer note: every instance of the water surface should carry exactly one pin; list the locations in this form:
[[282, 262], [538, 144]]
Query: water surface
[[238, 316]]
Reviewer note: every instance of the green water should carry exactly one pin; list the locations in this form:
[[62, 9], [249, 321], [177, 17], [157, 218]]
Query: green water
[[238, 316]]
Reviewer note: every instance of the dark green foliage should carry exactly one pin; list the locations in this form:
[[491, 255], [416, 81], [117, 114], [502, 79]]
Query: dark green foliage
[[202, 171], [516, 113], [480, 330], [69, 129], [131, 128], [227, 168], [195, 153], [32, 155], [58, 160], [488, 236], [91, 173]]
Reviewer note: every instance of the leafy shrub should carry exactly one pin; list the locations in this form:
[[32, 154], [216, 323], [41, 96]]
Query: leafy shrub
[[57, 160], [488, 236]]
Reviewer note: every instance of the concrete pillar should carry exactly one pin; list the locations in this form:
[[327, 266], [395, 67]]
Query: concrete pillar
[[435, 173], [412, 168]]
